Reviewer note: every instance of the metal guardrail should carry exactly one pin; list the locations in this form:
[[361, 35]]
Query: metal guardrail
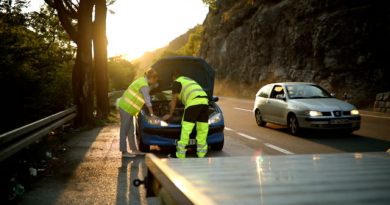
[[115, 93], [17, 139]]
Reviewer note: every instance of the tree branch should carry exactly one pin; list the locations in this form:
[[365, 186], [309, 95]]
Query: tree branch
[[51, 3], [64, 19], [71, 9]]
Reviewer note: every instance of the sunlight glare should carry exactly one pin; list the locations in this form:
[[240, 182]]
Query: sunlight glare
[[139, 26]]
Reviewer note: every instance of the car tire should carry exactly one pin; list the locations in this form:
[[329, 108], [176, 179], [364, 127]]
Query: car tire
[[218, 147], [293, 124], [259, 119], [141, 145]]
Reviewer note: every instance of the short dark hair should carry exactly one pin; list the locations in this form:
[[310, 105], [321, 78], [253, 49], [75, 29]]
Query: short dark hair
[[176, 73], [151, 73]]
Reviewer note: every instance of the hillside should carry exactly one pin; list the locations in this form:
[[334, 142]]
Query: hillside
[[338, 44], [186, 44]]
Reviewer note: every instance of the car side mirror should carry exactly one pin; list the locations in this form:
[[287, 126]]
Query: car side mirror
[[333, 95], [215, 99], [280, 97]]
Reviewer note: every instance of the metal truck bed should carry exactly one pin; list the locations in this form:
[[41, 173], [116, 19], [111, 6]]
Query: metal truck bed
[[348, 178]]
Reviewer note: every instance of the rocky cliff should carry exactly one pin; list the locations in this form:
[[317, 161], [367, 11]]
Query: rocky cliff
[[342, 45]]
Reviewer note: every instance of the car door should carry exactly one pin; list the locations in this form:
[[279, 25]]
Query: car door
[[276, 105], [262, 100]]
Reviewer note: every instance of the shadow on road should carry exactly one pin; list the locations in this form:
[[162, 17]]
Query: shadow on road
[[49, 191], [130, 170], [342, 141], [348, 142]]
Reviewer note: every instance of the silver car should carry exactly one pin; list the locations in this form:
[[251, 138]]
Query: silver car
[[304, 105]]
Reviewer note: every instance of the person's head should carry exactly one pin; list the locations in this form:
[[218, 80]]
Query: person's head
[[175, 74], [151, 76]]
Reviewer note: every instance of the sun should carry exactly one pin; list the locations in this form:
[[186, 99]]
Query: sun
[[145, 25]]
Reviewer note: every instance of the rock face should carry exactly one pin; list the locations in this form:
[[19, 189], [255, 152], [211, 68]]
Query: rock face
[[382, 102], [342, 45]]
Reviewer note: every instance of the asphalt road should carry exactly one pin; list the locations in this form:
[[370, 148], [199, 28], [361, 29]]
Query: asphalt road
[[92, 171], [244, 137]]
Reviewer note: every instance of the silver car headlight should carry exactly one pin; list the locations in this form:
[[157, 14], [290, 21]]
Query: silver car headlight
[[355, 112], [313, 113], [215, 118], [156, 121]]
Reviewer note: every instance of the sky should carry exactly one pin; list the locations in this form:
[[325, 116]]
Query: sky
[[138, 26]]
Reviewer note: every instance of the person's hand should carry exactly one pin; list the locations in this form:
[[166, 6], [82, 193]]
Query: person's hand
[[153, 117], [166, 117]]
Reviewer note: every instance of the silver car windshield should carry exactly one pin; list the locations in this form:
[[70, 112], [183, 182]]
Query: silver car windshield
[[306, 91]]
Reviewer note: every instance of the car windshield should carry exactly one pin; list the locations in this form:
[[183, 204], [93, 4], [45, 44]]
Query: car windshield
[[306, 91]]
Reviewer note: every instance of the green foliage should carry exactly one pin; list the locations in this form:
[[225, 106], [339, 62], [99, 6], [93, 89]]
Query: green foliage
[[187, 44], [191, 47], [211, 3], [120, 72], [35, 65], [12, 6]]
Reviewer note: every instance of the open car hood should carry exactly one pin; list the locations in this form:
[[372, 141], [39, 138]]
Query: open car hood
[[192, 67]]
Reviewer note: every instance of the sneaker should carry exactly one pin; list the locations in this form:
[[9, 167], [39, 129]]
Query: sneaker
[[127, 155], [172, 156], [137, 152]]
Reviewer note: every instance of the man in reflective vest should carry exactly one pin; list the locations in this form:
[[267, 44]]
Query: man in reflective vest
[[131, 103], [195, 100]]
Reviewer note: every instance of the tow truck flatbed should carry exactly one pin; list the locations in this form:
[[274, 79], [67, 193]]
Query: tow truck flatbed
[[346, 178]]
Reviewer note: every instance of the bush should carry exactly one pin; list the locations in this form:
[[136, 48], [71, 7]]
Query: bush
[[120, 72]]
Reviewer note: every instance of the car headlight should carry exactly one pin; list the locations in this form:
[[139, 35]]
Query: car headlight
[[313, 113], [355, 112], [217, 117], [156, 121]]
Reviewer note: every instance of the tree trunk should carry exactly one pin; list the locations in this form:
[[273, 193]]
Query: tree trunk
[[100, 59], [82, 78]]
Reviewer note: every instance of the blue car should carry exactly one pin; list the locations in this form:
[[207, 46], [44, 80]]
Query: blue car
[[166, 133]]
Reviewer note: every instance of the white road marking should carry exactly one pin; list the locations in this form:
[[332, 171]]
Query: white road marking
[[255, 139], [278, 148], [229, 129], [374, 116], [246, 136], [242, 109]]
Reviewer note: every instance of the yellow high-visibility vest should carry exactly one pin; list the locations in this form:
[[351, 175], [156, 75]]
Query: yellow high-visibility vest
[[191, 92], [132, 99]]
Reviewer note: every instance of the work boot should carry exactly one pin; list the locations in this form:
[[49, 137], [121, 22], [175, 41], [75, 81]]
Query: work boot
[[127, 155], [136, 152]]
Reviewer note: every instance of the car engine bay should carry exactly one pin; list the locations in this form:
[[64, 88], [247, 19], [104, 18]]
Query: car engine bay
[[161, 108]]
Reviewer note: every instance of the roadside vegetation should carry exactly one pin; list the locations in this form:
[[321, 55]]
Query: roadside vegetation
[[36, 61], [35, 65]]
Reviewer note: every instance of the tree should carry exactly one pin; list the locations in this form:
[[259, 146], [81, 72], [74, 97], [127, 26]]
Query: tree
[[100, 59], [76, 18], [120, 72], [191, 46], [35, 65], [211, 3]]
